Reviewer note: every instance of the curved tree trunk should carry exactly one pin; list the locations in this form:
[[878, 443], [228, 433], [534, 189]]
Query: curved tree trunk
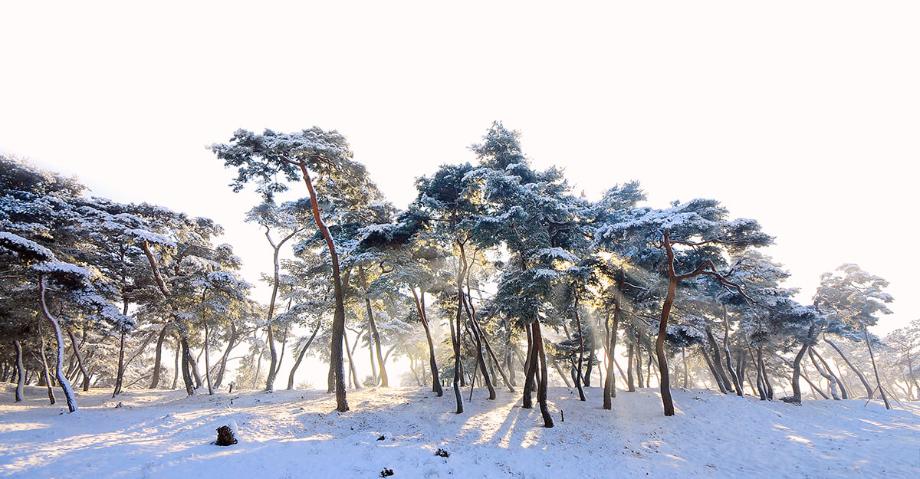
[[300, 356], [59, 336], [664, 379], [158, 357], [432, 360], [725, 382], [338, 320], [797, 369], [270, 380], [712, 369], [120, 372]]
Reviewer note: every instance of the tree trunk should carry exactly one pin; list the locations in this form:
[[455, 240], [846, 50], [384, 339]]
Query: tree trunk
[[175, 380], [300, 356], [766, 377], [797, 368], [432, 359], [222, 368], [45, 371], [712, 369], [531, 369], [186, 362], [737, 381], [351, 362], [631, 386], [79, 356], [664, 383], [639, 379], [375, 336], [610, 383], [59, 336], [20, 371], [270, 336], [862, 378], [843, 389], [541, 390], [456, 336], [158, 357], [120, 373], [878, 380], [338, 321], [207, 359], [581, 352], [724, 381]]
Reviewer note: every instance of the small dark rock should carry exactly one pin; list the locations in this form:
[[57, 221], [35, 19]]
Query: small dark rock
[[225, 436], [386, 472], [441, 453], [381, 437]]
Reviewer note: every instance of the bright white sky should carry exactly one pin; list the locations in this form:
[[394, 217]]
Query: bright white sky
[[801, 114]]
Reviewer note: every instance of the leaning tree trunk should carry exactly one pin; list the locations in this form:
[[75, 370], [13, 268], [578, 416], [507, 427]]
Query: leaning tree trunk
[[186, 362], [79, 356], [724, 381], [158, 357], [878, 380], [222, 368], [843, 388], [664, 379], [59, 336], [45, 371], [338, 320], [832, 384], [762, 367], [375, 337], [610, 380], [300, 356], [797, 368], [581, 353], [862, 378], [20, 370], [432, 360], [541, 390]]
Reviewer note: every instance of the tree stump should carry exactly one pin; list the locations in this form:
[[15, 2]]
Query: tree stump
[[225, 436]]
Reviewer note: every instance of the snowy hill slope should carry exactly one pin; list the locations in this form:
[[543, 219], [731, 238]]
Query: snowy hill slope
[[294, 434]]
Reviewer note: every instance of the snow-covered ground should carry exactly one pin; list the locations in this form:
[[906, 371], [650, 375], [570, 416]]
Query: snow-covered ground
[[294, 434]]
